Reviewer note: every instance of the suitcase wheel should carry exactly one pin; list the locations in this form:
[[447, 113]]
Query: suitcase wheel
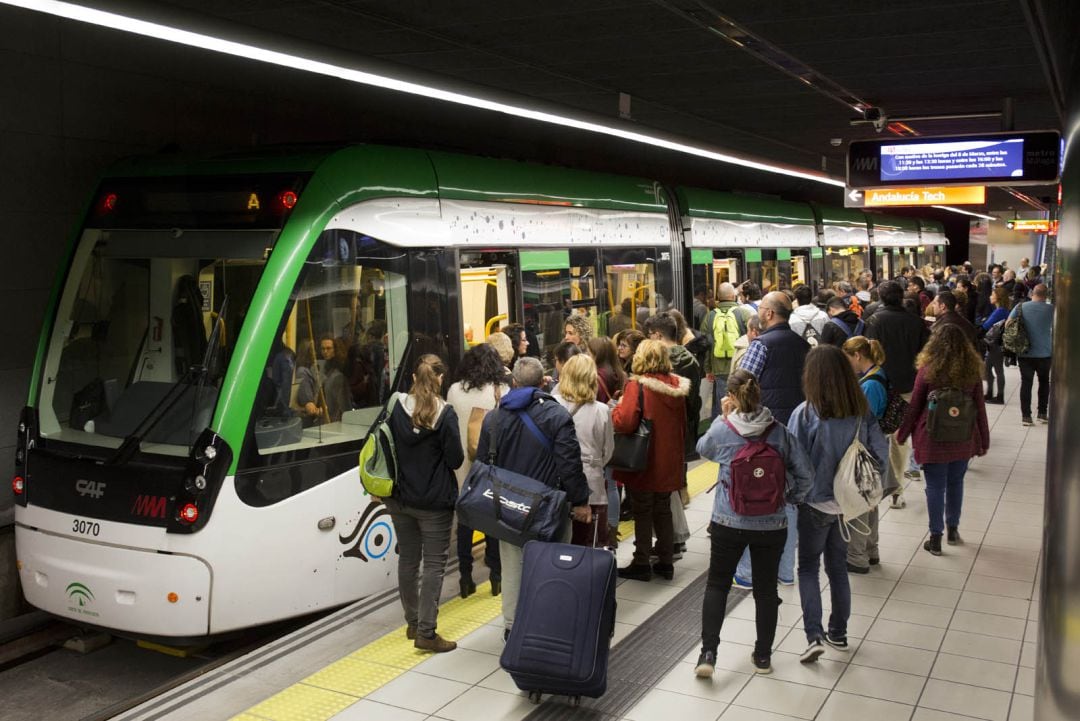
[[575, 701], [535, 696]]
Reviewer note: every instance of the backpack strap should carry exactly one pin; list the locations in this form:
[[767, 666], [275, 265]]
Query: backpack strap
[[841, 325], [860, 327], [535, 429]]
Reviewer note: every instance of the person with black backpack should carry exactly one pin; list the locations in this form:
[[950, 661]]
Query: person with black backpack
[[843, 323], [762, 466], [947, 423]]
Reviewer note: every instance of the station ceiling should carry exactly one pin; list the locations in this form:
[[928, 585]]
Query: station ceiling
[[774, 79]]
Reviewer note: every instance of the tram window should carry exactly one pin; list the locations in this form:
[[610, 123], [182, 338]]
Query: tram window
[[630, 281], [486, 293], [135, 320], [726, 270], [336, 352], [845, 264]]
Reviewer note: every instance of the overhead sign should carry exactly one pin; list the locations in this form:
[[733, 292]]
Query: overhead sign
[[1021, 158], [1037, 226], [922, 195]]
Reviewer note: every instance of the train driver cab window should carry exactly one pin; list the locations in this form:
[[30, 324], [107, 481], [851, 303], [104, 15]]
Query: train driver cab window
[[630, 281], [337, 350]]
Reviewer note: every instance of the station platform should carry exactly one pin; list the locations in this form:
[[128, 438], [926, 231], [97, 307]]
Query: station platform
[[932, 638]]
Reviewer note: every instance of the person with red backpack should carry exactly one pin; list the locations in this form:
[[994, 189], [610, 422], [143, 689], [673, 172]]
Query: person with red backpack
[[762, 467]]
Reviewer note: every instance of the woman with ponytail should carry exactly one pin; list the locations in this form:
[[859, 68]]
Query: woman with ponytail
[[428, 449], [867, 359], [745, 421]]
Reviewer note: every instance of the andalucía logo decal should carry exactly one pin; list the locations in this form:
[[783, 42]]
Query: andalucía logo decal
[[80, 596]]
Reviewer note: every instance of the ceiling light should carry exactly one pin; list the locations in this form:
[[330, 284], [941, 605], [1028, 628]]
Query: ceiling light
[[145, 28], [964, 212]]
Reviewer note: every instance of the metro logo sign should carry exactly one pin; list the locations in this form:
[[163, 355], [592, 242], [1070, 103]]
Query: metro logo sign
[[148, 506], [929, 195]]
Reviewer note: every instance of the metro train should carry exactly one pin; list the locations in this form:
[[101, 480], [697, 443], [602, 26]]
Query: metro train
[[176, 478]]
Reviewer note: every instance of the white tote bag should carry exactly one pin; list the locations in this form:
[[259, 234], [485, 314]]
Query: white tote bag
[[857, 484]]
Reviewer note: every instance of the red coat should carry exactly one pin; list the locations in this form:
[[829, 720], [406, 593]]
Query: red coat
[[665, 405], [931, 451]]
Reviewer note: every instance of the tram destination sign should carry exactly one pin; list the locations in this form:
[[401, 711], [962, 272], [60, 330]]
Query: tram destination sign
[[1020, 158], [921, 195]]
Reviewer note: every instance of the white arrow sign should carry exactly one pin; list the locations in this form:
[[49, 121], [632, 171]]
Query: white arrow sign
[[855, 195]]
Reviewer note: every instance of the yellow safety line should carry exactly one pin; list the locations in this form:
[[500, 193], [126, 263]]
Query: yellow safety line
[[334, 688]]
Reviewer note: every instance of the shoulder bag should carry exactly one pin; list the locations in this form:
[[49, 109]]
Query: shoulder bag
[[632, 449]]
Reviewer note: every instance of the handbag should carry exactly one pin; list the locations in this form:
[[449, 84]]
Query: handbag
[[857, 486], [632, 449], [1015, 337], [510, 506]]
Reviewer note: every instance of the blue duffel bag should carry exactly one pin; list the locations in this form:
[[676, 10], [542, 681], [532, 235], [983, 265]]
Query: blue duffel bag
[[509, 506]]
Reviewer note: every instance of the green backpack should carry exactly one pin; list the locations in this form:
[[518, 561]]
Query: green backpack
[[378, 457], [725, 333], [950, 415], [1015, 337]]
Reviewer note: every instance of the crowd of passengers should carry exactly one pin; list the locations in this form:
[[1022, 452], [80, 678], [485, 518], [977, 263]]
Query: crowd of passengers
[[807, 373]]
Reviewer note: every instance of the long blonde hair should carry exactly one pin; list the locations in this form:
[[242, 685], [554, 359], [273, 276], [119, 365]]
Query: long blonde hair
[[866, 347], [578, 380], [426, 390]]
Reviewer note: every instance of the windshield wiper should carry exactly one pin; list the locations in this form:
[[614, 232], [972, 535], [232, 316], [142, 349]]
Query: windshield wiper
[[131, 444]]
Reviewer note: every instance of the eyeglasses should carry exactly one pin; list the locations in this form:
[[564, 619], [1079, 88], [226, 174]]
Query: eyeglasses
[[624, 345]]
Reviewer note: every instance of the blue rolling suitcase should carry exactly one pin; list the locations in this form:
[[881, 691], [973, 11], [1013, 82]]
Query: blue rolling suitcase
[[564, 622]]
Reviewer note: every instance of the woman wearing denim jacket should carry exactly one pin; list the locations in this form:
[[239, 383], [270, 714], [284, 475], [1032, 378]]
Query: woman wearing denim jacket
[[732, 533], [825, 425]]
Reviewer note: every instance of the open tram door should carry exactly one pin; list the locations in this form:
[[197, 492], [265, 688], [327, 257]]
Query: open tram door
[[489, 290], [932, 236], [895, 242], [845, 242], [710, 267]]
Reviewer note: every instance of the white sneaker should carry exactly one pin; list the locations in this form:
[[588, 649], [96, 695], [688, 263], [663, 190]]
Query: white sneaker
[[898, 502]]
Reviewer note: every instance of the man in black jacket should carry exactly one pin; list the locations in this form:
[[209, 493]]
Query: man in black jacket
[[902, 335], [946, 314], [843, 323], [546, 450]]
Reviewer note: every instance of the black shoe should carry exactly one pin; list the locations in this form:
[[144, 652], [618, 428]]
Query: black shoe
[[813, 652], [636, 572], [875, 561], [626, 514], [496, 586], [954, 536], [995, 399], [665, 571], [467, 587], [852, 568], [762, 664], [706, 664], [933, 544], [1043, 418], [677, 551], [1026, 421], [837, 642]]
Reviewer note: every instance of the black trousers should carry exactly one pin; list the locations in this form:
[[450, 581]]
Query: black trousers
[[995, 363], [1029, 368], [728, 545]]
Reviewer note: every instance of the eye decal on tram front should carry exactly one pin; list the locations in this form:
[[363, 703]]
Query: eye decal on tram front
[[373, 536]]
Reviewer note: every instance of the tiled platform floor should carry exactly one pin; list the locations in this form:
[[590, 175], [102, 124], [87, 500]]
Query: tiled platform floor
[[933, 639]]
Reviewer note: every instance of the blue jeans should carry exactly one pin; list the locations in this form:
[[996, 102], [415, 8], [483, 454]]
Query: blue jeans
[[944, 493], [819, 535], [614, 508], [787, 561], [718, 392]]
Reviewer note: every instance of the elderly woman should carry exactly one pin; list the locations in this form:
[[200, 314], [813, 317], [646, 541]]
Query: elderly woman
[[656, 394]]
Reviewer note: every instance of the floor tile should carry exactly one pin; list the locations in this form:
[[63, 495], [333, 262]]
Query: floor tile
[[486, 639], [484, 703], [665, 704], [1028, 655], [849, 707], [366, 710], [418, 692], [1025, 681], [957, 698], [500, 680], [635, 613], [780, 697], [906, 634], [975, 672], [869, 586], [997, 605], [978, 645], [883, 684], [724, 686], [988, 624], [823, 673], [929, 714], [931, 595], [461, 665], [742, 713], [934, 577], [891, 657], [999, 586], [998, 569], [1023, 708], [919, 613]]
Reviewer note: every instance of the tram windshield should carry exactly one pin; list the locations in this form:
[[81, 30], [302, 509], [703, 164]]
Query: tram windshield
[[135, 318]]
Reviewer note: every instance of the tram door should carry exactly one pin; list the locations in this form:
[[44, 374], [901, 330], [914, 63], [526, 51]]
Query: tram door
[[778, 269], [487, 292], [884, 269], [726, 269], [630, 288]]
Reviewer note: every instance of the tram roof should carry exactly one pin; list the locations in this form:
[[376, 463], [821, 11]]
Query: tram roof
[[699, 203], [894, 222]]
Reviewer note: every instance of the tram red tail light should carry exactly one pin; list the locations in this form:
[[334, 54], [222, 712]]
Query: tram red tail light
[[189, 513], [18, 485]]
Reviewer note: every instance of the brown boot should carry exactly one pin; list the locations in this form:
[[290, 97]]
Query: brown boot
[[436, 644], [410, 632]]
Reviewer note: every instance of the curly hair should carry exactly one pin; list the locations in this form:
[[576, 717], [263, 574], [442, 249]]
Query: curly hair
[[651, 356], [481, 366], [582, 327], [949, 359]]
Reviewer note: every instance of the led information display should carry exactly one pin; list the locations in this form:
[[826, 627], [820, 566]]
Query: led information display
[[1024, 158]]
